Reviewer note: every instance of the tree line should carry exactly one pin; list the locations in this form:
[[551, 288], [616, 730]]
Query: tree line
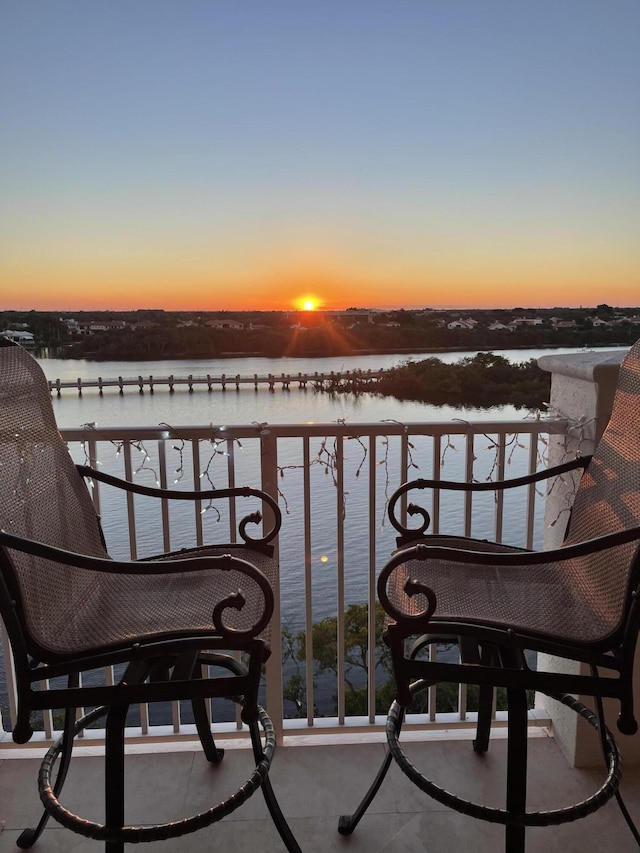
[[483, 380]]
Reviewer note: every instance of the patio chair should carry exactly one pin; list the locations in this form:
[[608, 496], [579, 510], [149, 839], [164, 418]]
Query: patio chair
[[191, 625], [498, 603]]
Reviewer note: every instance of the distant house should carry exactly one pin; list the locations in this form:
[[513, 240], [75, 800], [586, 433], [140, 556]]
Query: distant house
[[94, 326], [25, 339], [224, 324], [565, 324], [526, 321], [500, 327], [598, 322], [72, 325], [350, 314], [462, 324]]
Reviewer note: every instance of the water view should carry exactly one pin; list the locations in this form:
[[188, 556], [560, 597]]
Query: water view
[[247, 405]]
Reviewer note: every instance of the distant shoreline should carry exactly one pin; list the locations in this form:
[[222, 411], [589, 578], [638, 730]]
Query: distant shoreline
[[48, 352]]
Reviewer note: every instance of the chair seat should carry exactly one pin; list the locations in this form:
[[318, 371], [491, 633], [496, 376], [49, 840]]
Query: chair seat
[[121, 607], [535, 599]]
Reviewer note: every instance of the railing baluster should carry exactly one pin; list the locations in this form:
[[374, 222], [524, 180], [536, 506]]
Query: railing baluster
[[341, 600], [435, 497], [372, 597], [531, 488], [128, 473], [47, 716], [499, 495], [93, 461], [468, 475], [231, 479], [162, 462], [269, 484], [308, 579], [462, 701], [197, 486]]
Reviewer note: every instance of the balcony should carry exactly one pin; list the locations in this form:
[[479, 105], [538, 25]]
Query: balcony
[[333, 482]]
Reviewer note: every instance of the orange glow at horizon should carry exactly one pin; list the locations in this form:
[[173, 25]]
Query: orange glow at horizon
[[334, 284]]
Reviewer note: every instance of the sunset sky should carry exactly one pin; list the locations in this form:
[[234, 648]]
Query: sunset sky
[[242, 154]]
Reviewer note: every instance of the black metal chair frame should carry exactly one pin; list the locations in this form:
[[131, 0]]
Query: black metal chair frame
[[493, 657], [157, 671], [223, 661]]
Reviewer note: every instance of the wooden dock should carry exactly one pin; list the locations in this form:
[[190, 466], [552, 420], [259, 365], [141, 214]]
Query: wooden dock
[[332, 381]]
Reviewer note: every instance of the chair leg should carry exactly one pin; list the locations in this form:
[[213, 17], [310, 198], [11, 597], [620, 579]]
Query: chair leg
[[211, 752], [470, 652], [203, 725], [28, 837], [516, 767], [270, 798], [483, 729], [485, 704], [114, 774], [348, 822], [603, 744]]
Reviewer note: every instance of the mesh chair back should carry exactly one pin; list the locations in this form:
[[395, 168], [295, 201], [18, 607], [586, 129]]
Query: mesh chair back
[[608, 500], [42, 497]]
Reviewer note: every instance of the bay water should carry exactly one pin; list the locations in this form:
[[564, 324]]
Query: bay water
[[246, 405]]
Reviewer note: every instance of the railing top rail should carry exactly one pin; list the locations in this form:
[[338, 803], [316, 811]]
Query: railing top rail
[[340, 428]]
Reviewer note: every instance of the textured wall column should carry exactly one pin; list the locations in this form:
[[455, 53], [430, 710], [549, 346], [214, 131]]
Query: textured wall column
[[582, 391]]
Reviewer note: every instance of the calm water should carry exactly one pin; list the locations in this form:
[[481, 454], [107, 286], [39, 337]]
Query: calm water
[[245, 406]]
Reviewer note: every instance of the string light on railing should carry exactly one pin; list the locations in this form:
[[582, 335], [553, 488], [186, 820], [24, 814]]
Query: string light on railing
[[448, 446], [180, 469], [119, 445], [385, 462], [364, 452], [578, 431], [327, 456], [139, 446], [411, 463], [84, 444]]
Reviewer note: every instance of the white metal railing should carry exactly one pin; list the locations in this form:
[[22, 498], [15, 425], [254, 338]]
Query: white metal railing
[[333, 482]]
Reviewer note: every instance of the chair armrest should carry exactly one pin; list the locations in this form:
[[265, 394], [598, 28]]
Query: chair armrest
[[200, 495], [224, 562], [408, 534], [419, 619]]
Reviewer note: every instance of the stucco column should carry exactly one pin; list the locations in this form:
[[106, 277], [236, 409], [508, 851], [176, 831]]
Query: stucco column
[[582, 391]]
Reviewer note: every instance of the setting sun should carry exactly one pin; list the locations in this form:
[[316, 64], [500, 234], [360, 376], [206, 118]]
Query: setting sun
[[307, 303]]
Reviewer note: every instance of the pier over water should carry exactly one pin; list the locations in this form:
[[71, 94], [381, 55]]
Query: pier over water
[[328, 381]]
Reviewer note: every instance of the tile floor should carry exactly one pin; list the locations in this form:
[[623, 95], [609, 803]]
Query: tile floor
[[315, 784]]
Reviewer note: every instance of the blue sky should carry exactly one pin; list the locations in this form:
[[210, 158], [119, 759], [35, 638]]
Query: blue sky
[[241, 154]]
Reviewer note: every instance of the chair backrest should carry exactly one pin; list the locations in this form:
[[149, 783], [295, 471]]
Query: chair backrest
[[42, 497], [608, 500]]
